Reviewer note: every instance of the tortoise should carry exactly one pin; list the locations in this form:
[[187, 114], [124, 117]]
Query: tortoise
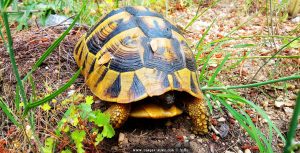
[[140, 63]]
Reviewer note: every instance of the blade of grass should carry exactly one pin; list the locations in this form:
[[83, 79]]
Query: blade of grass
[[33, 88], [210, 107], [8, 112], [12, 56], [198, 15], [54, 45], [53, 95], [293, 77], [293, 126], [201, 76], [213, 77], [259, 136], [242, 121], [202, 38], [281, 48], [257, 108], [17, 98]]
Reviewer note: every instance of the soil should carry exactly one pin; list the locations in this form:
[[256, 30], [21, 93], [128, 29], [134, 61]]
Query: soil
[[174, 134]]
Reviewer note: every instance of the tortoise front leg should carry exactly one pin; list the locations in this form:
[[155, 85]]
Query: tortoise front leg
[[119, 114], [196, 108]]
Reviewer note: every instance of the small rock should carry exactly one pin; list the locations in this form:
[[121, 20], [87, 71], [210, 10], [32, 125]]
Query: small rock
[[178, 145], [279, 104], [240, 151], [229, 151], [289, 103], [247, 151], [224, 130], [122, 139], [200, 140], [197, 148], [221, 119], [186, 144], [56, 71], [236, 148], [296, 19], [53, 20], [289, 111], [114, 148], [192, 136], [293, 97], [281, 145]]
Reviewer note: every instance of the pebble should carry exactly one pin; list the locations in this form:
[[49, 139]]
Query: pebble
[[296, 19], [229, 151], [236, 148], [279, 104], [288, 111], [192, 136], [221, 119], [240, 151], [224, 130], [122, 139], [200, 140], [247, 151], [293, 97]]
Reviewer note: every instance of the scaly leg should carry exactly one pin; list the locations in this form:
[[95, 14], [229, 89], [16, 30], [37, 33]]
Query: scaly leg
[[118, 114], [197, 110]]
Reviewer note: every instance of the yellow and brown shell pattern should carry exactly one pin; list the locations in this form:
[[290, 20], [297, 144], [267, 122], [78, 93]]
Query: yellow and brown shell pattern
[[133, 53]]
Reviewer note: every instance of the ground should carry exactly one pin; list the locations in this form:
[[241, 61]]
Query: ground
[[169, 135]]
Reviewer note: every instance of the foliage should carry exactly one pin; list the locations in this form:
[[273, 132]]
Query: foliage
[[76, 120], [21, 95], [79, 120]]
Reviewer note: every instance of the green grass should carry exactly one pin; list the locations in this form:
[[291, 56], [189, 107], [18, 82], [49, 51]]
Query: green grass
[[226, 95]]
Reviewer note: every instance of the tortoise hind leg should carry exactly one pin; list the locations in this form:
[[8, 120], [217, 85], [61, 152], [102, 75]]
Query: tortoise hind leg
[[197, 110], [118, 114]]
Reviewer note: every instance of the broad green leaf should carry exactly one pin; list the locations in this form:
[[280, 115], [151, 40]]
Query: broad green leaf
[[49, 145], [78, 137], [99, 138], [89, 100], [108, 131], [46, 107], [85, 110], [99, 118], [66, 151]]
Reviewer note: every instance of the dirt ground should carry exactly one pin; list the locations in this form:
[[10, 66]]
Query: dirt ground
[[168, 135]]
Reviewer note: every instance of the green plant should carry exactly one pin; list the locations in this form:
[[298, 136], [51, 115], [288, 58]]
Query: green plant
[[80, 125], [291, 145], [231, 99], [24, 114]]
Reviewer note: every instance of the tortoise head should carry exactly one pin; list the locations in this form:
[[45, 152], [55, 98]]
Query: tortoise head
[[167, 99]]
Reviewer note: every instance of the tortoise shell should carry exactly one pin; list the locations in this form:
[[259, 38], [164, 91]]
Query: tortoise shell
[[133, 53]]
